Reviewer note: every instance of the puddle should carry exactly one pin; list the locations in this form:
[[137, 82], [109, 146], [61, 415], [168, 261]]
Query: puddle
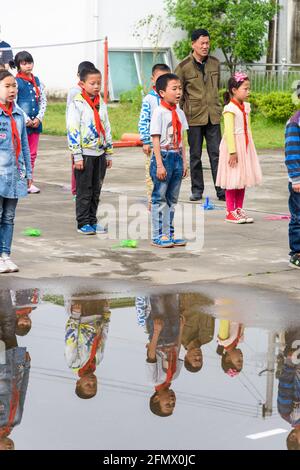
[[209, 355]]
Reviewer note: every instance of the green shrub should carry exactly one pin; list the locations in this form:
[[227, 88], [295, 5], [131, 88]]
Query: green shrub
[[134, 96], [276, 106]]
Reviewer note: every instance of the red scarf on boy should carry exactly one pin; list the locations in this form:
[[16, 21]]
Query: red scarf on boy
[[14, 130], [176, 123], [30, 78], [94, 104], [172, 365], [242, 108], [90, 366]]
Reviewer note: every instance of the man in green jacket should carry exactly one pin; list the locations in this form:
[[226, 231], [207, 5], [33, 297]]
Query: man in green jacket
[[200, 76]]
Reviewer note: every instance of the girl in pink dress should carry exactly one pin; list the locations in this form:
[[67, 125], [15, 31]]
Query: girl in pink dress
[[239, 167]]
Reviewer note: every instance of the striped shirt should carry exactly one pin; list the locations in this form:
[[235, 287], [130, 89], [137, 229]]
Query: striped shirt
[[292, 148]]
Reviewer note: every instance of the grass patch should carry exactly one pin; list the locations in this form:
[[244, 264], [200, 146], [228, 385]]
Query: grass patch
[[114, 303], [124, 118]]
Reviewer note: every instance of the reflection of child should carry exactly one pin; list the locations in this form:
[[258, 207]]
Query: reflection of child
[[288, 401], [14, 377], [165, 327], [230, 335], [86, 334], [25, 301], [198, 329]]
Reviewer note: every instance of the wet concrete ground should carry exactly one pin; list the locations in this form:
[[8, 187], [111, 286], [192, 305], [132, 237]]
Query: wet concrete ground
[[208, 402], [250, 254]]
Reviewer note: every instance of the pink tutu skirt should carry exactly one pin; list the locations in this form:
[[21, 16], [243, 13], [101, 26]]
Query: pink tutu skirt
[[247, 172]]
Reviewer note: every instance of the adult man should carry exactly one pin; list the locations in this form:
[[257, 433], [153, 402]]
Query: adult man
[[200, 76]]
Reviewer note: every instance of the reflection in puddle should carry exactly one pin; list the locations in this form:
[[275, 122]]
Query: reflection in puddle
[[115, 366]]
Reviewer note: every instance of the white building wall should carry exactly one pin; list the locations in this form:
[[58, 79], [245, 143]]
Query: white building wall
[[59, 21]]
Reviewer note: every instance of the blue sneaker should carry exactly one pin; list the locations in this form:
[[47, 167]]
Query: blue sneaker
[[178, 241], [163, 242], [98, 228], [86, 230]]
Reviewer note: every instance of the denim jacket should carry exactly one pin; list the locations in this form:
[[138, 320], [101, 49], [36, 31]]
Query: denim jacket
[[13, 180], [15, 372]]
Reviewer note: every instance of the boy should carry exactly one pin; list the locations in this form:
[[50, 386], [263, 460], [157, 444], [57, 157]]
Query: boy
[[168, 165], [292, 161], [71, 95], [149, 104], [90, 141]]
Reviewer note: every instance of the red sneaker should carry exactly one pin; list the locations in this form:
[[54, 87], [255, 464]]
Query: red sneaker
[[235, 218]]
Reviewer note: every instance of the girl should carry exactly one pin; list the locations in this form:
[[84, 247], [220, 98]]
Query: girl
[[230, 335], [32, 100], [15, 167], [238, 163]]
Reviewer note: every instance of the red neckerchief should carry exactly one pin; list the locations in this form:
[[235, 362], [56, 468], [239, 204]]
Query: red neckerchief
[[14, 130], [30, 78], [154, 88], [176, 123], [23, 311], [94, 104], [13, 407], [242, 108], [234, 344], [172, 365], [90, 366]]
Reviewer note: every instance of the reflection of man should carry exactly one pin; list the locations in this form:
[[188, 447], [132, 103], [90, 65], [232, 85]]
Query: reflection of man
[[5, 56], [200, 77], [14, 374], [288, 401]]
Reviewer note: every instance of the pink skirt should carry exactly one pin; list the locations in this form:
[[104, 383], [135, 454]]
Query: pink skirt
[[247, 173]]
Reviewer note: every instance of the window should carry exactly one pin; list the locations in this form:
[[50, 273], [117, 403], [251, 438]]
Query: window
[[128, 69]]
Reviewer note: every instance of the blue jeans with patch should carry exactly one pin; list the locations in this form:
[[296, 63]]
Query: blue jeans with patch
[[7, 217], [165, 193], [294, 227]]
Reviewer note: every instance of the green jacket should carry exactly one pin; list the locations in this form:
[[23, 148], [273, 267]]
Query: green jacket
[[200, 101]]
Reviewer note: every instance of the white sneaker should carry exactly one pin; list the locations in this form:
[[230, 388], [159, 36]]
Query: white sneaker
[[3, 267], [11, 267], [33, 189], [242, 213]]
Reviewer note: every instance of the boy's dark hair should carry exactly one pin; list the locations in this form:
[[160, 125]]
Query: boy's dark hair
[[85, 65], [232, 83], [4, 74], [191, 368], [226, 365], [162, 82], [292, 444], [85, 72], [22, 56], [160, 67], [155, 407], [198, 33], [80, 393]]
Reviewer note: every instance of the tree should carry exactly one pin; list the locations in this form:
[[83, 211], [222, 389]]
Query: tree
[[238, 27]]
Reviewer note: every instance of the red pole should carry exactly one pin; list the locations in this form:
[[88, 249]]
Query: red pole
[[105, 70]]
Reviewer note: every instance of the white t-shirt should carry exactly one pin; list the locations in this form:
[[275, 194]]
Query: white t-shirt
[[161, 124]]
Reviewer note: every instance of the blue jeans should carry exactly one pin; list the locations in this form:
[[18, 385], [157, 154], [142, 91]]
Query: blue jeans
[[7, 216], [165, 193], [294, 227]]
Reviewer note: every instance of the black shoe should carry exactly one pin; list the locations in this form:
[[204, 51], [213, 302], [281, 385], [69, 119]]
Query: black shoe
[[295, 261], [195, 197], [222, 197]]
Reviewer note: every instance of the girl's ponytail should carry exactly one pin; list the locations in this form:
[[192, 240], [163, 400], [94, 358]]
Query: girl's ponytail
[[227, 97], [12, 64]]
